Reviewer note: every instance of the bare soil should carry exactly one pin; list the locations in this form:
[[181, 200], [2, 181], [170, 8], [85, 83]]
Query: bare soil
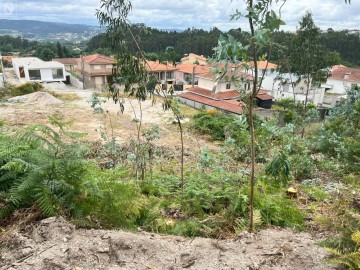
[[55, 244], [37, 107]]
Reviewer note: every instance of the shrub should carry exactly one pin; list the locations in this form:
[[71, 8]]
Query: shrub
[[27, 88]]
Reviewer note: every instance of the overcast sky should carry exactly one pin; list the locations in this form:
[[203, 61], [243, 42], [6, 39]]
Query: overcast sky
[[182, 14]]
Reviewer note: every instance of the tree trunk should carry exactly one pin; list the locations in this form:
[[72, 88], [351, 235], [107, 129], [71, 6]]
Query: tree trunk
[[251, 121], [305, 105]]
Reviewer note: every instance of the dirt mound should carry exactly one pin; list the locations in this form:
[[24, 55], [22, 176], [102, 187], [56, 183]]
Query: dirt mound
[[39, 98], [55, 244]]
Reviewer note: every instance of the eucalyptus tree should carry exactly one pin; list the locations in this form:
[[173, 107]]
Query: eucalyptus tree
[[263, 21], [309, 60], [131, 71]]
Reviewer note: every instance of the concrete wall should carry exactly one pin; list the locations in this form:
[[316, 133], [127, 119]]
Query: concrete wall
[[195, 104], [315, 96], [76, 82]]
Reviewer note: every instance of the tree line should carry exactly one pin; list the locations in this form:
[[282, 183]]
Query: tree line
[[154, 42]]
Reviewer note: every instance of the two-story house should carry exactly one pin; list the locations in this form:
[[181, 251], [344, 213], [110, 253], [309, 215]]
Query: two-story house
[[188, 74], [164, 73], [95, 70], [193, 58]]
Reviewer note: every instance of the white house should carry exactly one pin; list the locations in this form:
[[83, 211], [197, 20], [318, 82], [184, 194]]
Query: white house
[[285, 85], [33, 69], [341, 79]]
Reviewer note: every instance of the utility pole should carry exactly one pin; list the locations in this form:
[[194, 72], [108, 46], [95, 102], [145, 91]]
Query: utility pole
[[82, 71]]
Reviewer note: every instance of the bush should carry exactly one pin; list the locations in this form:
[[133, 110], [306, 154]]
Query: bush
[[27, 88], [212, 123]]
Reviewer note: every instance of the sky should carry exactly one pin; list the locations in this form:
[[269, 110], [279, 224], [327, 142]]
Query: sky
[[183, 14]]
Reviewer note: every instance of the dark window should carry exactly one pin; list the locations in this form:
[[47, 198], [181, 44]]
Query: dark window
[[228, 85], [35, 74], [57, 73]]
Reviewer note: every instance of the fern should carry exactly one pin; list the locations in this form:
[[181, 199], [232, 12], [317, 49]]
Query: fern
[[41, 166], [349, 259], [242, 224]]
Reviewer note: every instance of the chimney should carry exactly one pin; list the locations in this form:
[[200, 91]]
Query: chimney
[[347, 75]]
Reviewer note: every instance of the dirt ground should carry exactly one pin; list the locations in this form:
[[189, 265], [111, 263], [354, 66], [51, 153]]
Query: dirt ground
[[112, 122], [55, 244]]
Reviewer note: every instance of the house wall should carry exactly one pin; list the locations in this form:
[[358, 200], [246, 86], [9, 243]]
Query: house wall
[[16, 68], [70, 67], [46, 75], [338, 86], [179, 77], [315, 96], [97, 82], [194, 104], [206, 83]]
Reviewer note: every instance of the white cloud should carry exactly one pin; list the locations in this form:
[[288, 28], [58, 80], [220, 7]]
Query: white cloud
[[183, 14]]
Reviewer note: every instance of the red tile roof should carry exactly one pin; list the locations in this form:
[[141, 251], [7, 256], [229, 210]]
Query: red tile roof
[[153, 66], [219, 95], [97, 59], [352, 74], [188, 68], [264, 96], [337, 66], [226, 105], [8, 58], [264, 64], [67, 61]]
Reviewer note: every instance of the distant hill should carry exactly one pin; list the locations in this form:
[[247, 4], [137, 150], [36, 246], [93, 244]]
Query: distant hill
[[43, 28]]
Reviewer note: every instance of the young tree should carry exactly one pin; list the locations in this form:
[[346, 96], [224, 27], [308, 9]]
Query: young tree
[[60, 51], [309, 60], [263, 21]]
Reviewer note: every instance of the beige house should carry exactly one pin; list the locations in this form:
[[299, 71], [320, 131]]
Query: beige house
[[95, 70], [69, 63], [164, 73], [193, 58]]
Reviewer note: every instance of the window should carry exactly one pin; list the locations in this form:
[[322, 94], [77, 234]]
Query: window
[[109, 66], [97, 67], [35, 74], [57, 73], [169, 75], [228, 85]]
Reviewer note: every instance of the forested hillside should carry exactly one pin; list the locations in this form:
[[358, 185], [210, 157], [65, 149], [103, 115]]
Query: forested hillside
[[202, 42]]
